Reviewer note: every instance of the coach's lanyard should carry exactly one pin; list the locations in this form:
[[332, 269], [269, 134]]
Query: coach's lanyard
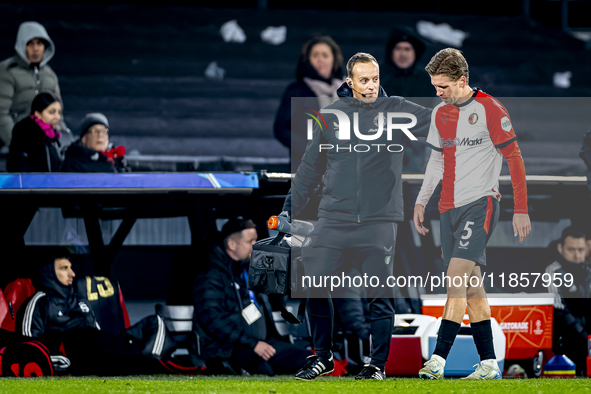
[[250, 292]]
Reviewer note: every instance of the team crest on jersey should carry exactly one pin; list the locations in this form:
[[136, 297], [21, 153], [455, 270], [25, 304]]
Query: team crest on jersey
[[473, 118]]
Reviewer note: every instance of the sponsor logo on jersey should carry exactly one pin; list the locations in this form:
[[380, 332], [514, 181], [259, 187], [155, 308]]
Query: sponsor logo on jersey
[[506, 124], [444, 118], [460, 142], [515, 326], [473, 118]]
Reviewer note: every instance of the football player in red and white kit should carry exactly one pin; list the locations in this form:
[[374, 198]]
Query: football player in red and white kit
[[469, 133]]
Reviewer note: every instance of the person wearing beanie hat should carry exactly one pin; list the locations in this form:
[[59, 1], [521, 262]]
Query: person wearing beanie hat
[[35, 140], [25, 75], [93, 151]]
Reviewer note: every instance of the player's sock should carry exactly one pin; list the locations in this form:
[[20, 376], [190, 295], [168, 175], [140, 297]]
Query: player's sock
[[446, 337], [482, 334]]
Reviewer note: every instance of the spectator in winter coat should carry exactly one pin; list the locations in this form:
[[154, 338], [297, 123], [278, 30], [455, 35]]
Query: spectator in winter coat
[[399, 73], [93, 151], [25, 75], [35, 140], [319, 74], [401, 76]]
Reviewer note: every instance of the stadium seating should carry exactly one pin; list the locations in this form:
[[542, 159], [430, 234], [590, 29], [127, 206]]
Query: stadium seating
[[15, 293], [147, 73]]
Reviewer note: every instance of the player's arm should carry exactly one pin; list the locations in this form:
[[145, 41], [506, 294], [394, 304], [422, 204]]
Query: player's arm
[[521, 221], [423, 115], [433, 174], [505, 140]]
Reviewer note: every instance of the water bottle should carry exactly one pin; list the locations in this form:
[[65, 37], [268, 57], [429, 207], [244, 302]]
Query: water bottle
[[296, 227]]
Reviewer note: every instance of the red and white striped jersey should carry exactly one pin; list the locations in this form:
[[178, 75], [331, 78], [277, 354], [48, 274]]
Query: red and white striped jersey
[[472, 137]]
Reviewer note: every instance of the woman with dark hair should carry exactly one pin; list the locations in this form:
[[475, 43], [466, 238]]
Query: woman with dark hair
[[319, 74], [34, 139]]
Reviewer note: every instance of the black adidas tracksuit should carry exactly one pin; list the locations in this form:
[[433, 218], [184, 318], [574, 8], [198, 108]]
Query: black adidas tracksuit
[[361, 201]]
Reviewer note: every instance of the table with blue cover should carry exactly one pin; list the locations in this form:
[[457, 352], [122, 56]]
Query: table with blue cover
[[199, 196]]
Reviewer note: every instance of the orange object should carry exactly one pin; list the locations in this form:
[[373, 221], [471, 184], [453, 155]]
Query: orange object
[[526, 322], [273, 222]]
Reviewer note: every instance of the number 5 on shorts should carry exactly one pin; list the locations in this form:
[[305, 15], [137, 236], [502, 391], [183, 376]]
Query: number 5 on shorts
[[468, 229]]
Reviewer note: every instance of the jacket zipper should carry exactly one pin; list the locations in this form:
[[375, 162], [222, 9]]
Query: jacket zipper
[[358, 184]]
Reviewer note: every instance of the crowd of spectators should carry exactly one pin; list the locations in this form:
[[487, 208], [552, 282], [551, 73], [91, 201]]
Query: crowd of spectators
[[32, 128]]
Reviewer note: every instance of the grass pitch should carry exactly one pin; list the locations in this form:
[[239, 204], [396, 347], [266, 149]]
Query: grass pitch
[[285, 384]]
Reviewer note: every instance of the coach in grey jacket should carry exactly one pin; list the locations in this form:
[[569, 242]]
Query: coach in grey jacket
[[24, 75]]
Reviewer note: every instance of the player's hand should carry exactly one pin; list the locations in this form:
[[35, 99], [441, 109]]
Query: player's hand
[[521, 225], [418, 218], [264, 350]]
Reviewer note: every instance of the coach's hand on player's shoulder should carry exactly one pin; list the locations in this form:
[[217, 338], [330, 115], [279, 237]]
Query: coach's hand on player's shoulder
[[418, 218], [521, 225], [264, 350]]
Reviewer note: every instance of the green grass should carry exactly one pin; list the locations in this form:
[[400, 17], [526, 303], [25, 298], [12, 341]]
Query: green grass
[[285, 384]]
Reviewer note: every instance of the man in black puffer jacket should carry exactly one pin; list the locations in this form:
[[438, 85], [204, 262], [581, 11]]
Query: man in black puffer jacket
[[222, 299], [359, 163]]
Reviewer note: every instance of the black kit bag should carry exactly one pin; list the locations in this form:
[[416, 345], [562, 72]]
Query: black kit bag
[[275, 266]]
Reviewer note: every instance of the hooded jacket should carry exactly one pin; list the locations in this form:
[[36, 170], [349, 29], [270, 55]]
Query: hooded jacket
[[409, 82], [54, 309], [220, 293], [21, 80], [32, 150], [306, 78], [357, 186]]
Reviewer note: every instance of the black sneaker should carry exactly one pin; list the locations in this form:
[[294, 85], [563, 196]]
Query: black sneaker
[[316, 366], [370, 372]]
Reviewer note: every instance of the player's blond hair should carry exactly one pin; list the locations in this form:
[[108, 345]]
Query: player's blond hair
[[449, 62]]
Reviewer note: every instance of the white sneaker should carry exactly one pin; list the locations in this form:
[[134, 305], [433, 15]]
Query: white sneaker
[[433, 368], [487, 370]]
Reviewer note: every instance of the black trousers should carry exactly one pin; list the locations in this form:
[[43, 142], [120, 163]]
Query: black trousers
[[371, 246], [288, 359]]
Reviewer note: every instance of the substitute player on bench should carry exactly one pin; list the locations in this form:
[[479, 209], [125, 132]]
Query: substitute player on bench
[[469, 132]]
